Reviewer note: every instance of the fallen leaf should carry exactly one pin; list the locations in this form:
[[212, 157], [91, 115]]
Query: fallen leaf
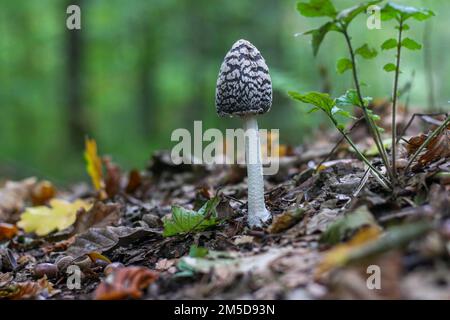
[[58, 246], [5, 279], [94, 164], [414, 143], [104, 239], [438, 148], [368, 242], [8, 261], [286, 220], [339, 255], [42, 193], [13, 196], [7, 231], [28, 290], [99, 215], [59, 215], [97, 256], [344, 227], [112, 178], [134, 181], [125, 283]]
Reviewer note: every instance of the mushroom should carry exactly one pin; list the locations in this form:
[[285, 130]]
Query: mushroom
[[244, 89]]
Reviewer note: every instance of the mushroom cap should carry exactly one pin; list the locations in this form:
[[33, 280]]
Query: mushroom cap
[[244, 86]]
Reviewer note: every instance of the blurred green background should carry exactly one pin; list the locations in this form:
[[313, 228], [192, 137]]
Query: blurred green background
[[138, 69]]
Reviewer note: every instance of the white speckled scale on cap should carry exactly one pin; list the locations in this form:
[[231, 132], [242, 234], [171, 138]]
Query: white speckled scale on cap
[[244, 86]]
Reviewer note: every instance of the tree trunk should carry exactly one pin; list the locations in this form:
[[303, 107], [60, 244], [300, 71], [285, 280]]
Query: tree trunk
[[76, 123]]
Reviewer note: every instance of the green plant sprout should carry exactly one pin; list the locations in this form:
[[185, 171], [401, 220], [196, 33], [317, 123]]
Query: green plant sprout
[[339, 22], [400, 14]]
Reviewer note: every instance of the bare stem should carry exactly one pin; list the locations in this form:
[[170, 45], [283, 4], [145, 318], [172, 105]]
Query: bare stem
[[378, 174], [394, 102], [373, 130], [257, 212]]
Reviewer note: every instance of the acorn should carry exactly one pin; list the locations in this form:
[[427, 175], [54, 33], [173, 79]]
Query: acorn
[[46, 269], [84, 263], [63, 262]]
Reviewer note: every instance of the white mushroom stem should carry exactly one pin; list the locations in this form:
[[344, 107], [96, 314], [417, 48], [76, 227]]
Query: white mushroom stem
[[257, 212]]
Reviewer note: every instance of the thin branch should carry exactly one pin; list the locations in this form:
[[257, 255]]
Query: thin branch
[[422, 116]]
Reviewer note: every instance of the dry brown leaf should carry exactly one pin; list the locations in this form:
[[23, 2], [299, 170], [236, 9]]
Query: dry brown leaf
[[58, 246], [100, 215], [125, 283], [112, 178], [7, 231], [42, 193], [28, 290], [13, 196], [414, 143], [438, 148], [285, 220], [134, 181]]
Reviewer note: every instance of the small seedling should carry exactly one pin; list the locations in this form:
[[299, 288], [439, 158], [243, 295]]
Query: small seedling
[[339, 21]]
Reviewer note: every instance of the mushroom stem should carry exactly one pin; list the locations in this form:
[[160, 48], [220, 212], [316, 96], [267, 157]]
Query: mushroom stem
[[257, 212]]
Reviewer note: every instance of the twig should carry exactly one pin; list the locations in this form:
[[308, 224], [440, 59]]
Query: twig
[[422, 116]]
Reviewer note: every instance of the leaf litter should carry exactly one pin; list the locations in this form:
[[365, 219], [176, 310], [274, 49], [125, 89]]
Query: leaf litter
[[179, 231]]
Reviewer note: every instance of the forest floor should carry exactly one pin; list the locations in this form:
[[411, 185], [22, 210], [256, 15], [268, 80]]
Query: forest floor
[[335, 232]]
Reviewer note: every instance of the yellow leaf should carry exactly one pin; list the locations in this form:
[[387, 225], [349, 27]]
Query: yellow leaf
[[58, 216], [94, 164], [339, 254], [97, 256]]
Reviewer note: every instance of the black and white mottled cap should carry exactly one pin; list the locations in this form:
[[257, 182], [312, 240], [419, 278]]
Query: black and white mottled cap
[[244, 86]]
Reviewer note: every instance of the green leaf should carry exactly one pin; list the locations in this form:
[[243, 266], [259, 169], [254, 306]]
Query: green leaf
[[410, 44], [389, 67], [389, 44], [403, 13], [343, 65], [338, 111], [319, 34], [184, 221], [373, 115], [317, 8], [347, 15], [197, 252], [405, 27], [317, 99], [315, 109], [346, 226], [350, 99], [366, 52]]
